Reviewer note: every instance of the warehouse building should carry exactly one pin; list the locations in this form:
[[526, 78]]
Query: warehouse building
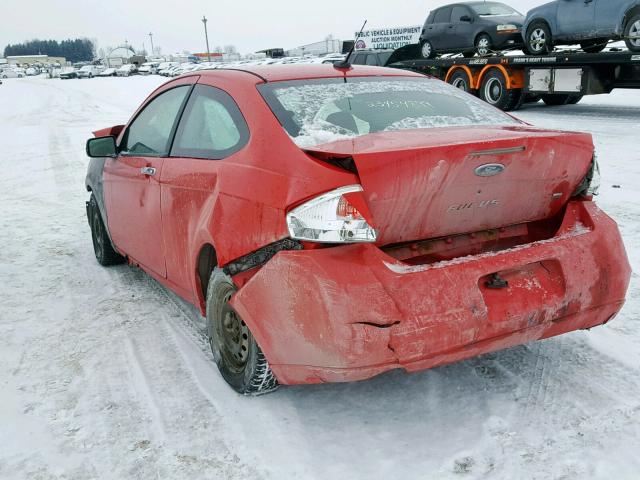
[[33, 59]]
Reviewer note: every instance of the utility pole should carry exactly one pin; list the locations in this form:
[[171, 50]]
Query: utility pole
[[206, 36], [151, 37]]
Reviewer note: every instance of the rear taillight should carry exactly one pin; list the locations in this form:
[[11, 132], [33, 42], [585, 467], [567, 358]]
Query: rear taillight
[[332, 218], [590, 185]]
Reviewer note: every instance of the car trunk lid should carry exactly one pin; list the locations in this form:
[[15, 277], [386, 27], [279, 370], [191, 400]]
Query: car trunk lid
[[427, 184]]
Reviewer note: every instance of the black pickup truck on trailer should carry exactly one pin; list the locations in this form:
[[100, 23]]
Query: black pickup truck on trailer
[[508, 81]]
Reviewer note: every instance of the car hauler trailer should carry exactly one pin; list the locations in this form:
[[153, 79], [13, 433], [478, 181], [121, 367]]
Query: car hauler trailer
[[508, 81]]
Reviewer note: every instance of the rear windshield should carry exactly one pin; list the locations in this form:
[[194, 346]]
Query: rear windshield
[[314, 112], [490, 9]]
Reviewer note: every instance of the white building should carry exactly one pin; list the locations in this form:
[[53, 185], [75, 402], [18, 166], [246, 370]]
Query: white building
[[324, 47]]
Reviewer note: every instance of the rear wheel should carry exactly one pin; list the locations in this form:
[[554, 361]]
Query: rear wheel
[[235, 350], [102, 247], [594, 46], [483, 44], [426, 50], [494, 91], [632, 33], [460, 79], [538, 40]]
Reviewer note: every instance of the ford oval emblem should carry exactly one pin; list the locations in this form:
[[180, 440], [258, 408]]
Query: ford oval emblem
[[490, 170]]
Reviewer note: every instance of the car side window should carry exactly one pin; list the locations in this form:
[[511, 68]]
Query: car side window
[[372, 59], [459, 12], [443, 15], [150, 133], [212, 126]]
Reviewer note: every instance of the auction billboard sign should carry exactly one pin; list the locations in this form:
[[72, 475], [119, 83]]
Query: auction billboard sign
[[395, 37]]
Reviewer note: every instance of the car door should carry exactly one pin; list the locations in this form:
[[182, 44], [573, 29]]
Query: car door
[[462, 37], [439, 33], [212, 133], [131, 180], [609, 16], [576, 19]]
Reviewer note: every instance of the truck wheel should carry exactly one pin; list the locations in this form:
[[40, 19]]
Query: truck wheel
[[460, 79], [235, 350], [632, 33], [594, 46], [538, 40], [494, 91], [102, 247], [426, 50], [483, 44], [556, 100]]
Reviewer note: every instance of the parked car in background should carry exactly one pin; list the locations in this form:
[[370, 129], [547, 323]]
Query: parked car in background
[[32, 71], [165, 67], [90, 71], [149, 68], [108, 72], [127, 70], [591, 23], [333, 225], [68, 74], [12, 73], [470, 28], [373, 58]]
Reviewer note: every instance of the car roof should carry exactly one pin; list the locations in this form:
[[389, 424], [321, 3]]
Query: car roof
[[281, 73]]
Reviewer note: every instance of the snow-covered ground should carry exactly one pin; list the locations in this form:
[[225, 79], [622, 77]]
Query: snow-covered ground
[[104, 374]]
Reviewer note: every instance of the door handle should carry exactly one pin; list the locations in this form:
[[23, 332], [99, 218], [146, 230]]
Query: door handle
[[148, 171]]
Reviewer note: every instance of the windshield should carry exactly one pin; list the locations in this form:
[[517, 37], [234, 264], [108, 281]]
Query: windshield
[[492, 9], [314, 112]]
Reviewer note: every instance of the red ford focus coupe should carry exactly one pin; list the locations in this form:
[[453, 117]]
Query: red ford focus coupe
[[333, 224]]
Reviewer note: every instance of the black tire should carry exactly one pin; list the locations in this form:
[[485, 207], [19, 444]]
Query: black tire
[[102, 247], [483, 44], [426, 50], [494, 91], [632, 29], [460, 79], [594, 46], [235, 350], [556, 100], [538, 40]]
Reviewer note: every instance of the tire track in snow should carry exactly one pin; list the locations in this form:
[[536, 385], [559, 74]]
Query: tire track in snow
[[139, 381]]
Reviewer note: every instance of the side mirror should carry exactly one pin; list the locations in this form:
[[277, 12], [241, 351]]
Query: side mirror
[[466, 18], [102, 147]]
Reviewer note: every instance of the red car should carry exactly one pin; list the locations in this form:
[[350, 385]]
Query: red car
[[333, 224]]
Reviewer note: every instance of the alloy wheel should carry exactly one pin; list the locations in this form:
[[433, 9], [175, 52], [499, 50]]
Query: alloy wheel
[[426, 50], [483, 46], [634, 34], [538, 40]]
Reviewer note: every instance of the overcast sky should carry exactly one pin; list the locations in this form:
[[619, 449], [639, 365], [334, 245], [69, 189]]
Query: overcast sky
[[249, 24]]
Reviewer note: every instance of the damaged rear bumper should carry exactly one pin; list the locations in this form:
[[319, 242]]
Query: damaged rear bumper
[[351, 312]]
